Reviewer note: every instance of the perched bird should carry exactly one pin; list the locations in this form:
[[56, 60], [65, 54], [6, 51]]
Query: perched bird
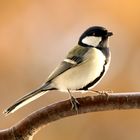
[[82, 69]]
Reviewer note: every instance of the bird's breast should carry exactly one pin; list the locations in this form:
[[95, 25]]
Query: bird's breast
[[82, 74]]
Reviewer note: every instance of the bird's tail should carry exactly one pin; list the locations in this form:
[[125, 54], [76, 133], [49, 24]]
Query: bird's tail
[[27, 99]]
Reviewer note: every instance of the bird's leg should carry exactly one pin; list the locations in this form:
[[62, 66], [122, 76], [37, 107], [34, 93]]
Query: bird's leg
[[74, 102]]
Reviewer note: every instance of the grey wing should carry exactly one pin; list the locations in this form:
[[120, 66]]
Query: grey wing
[[76, 55], [60, 69]]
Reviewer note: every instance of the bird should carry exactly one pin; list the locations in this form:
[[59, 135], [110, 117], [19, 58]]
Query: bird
[[82, 68]]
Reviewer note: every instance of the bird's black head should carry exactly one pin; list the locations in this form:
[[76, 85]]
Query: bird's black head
[[93, 36]]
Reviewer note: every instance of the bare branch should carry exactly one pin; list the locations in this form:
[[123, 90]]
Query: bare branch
[[27, 127]]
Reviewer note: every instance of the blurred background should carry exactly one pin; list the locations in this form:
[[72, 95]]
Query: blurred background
[[34, 38]]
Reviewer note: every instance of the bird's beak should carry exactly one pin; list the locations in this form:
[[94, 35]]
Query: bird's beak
[[109, 33]]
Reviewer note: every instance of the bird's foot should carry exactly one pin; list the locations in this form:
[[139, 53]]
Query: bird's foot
[[104, 93], [74, 103]]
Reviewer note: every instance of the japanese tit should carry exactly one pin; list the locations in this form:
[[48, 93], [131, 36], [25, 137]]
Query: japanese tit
[[82, 69]]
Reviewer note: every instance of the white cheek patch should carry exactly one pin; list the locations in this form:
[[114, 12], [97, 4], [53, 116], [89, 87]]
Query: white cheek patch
[[92, 40]]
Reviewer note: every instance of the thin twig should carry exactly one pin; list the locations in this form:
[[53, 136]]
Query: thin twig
[[30, 125]]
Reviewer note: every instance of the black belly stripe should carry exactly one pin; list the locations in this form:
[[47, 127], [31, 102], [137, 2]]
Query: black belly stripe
[[96, 80]]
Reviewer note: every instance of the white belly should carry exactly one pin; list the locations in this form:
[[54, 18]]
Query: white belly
[[84, 73]]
